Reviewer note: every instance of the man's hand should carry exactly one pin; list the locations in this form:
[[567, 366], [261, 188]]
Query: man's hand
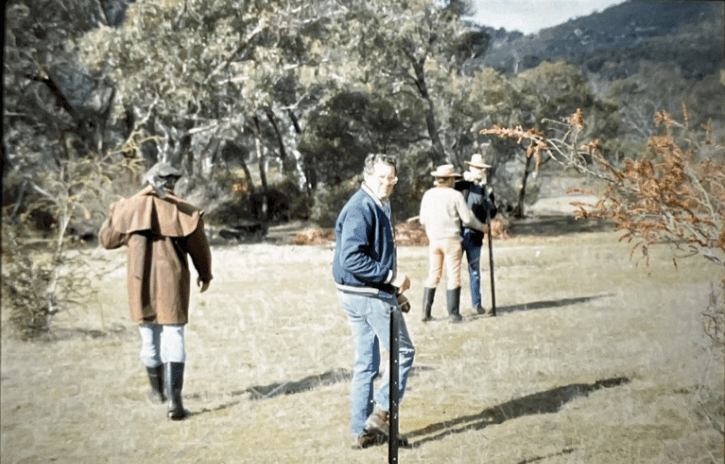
[[402, 282], [484, 228], [204, 285]]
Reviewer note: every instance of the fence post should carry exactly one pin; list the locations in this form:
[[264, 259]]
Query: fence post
[[394, 386]]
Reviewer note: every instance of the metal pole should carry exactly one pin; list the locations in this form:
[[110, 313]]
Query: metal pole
[[394, 386], [490, 249]]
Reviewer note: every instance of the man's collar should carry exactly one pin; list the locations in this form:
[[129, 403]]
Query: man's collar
[[383, 204], [372, 194]]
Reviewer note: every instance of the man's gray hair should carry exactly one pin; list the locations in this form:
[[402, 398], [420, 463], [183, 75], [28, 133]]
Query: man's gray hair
[[378, 158]]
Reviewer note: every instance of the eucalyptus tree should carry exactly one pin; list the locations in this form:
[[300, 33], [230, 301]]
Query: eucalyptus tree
[[205, 74], [55, 122], [414, 53], [50, 105], [209, 75]]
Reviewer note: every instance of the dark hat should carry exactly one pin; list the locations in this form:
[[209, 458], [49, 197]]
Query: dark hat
[[162, 175], [162, 169]]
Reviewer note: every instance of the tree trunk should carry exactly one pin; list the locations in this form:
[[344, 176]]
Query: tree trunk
[[206, 156], [262, 167], [288, 162], [309, 174], [522, 193], [430, 119], [231, 151], [247, 175]]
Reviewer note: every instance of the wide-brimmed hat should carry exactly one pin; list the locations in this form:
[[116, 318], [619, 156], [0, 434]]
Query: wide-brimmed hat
[[477, 161], [161, 169], [161, 176], [445, 170]]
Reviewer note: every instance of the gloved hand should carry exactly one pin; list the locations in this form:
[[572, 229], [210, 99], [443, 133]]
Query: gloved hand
[[403, 303], [204, 285], [401, 282]]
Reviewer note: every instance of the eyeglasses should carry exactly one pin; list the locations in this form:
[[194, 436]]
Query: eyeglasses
[[389, 180]]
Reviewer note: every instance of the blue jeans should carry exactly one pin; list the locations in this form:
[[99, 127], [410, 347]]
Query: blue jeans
[[369, 317], [472, 248]]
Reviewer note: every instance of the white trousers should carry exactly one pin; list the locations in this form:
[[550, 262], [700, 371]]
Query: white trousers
[[162, 344]]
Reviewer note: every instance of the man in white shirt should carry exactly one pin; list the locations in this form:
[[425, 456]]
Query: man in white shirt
[[442, 211]]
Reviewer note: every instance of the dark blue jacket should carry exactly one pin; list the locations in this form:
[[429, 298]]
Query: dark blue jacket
[[476, 200], [365, 250]]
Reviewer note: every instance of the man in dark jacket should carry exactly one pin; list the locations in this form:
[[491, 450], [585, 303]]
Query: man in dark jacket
[[479, 198], [365, 271]]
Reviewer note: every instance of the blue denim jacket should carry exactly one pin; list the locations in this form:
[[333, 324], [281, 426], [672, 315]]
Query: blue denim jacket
[[365, 249]]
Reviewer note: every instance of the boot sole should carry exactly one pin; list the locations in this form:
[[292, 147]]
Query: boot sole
[[178, 417]]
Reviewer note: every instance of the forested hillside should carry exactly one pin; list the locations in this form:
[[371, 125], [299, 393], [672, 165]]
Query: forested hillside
[[613, 42]]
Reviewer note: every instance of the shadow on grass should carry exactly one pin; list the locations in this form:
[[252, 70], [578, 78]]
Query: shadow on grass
[[547, 304], [310, 382], [550, 226], [73, 333], [263, 392], [546, 402]]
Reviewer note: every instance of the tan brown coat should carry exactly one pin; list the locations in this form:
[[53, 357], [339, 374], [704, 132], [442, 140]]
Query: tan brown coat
[[159, 233]]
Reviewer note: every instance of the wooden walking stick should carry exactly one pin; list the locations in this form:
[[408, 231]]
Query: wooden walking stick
[[490, 248], [394, 389]]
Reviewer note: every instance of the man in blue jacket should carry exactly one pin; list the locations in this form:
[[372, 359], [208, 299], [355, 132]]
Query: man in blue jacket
[[364, 269]]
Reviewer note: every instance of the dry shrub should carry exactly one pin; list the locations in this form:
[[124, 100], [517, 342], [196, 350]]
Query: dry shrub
[[314, 237], [714, 319], [711, 401], [411, 233], [500, 226], [673, 195], [408, 233], [44, 275]]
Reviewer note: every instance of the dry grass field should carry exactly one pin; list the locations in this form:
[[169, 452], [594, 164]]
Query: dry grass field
[[592, 359]]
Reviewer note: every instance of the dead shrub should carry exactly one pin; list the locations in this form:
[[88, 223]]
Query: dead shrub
[[314, 237], [408, 233]]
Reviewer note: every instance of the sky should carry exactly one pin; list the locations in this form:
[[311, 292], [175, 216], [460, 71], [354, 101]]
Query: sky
[[530, 16]]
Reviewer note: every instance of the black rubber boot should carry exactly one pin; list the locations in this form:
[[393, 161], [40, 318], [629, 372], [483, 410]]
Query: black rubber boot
[[428, 296], [453, 301], [156, 379], [174, 377]]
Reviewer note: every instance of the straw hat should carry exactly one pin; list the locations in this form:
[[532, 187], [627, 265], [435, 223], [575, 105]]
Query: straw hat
[[445, 170], [477, 162]]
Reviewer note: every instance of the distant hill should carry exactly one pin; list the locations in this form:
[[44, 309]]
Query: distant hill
[[611, 43]]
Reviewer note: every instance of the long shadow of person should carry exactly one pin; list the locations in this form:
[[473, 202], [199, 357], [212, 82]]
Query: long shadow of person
[[545, 304], [546, 402], [291, 387]]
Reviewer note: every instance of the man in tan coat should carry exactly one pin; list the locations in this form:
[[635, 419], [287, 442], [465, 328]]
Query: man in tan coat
[[160, 230]]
